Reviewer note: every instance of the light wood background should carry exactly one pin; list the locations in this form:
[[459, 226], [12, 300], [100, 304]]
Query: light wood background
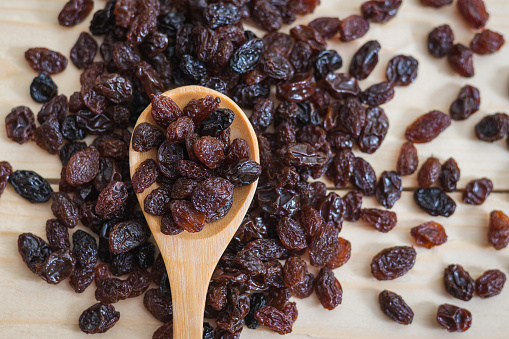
[[30, 308]]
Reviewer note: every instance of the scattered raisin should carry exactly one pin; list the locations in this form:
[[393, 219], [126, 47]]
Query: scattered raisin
[[429, 234], [395, 307]]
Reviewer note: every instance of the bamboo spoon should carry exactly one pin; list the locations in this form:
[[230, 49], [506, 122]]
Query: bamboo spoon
[[191, 258]]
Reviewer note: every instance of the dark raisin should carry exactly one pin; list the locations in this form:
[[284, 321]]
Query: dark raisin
[[429, 172], [145, 175], [380, 10], [127, 235], [267, 16], [199, 109], [323, 245], [210, 151], [381, 220], [74, 12], [112, 198], [429, 234], [458, 282], [327, 62], [498, 230], [341, 85], [364, 60], [434, 201], [42, 88], [395, 307], [377, 94], [341, 168], [246, 57], [31, 186], [115, 88], [84, 249], [393, 262], [98, 318], [103, 20], [466, 104], [168, 156], [374, 131], [20, 124], [48, 135], [291, 234], [58, 266], [64, 209], [363, 177], [146, 136], [490, 283], [70, 129], [353, 27], [388, 188], [221, 14], [243, 172], [56, 107], [427, 127], [301, 87], [274, 319], [217, 121], [402, 70], [492, 127], [83, 51], [310, 36], [352, 205], [45, 61], [449, 175], [328, 27], [440, 41], [33, 250]]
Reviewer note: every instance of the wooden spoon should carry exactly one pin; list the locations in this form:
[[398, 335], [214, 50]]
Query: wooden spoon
[[190, 258]]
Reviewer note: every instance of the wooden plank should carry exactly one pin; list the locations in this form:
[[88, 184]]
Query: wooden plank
[[33, 309]]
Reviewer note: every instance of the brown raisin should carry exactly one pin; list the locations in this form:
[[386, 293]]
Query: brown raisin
[[498, 230], [477, 191], [458, 282], [393, 262], [453, 318], [395, 307], [429, 234], [490, 283]]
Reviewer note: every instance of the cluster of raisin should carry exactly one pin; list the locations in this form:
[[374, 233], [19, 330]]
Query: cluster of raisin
[[151, 46], [460, 57], [197, 167]]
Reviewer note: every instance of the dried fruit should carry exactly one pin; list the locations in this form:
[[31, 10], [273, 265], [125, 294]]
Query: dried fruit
[[380, 10], [98, 318], [43, 88], [460, 59], [388, 188], [393, 262], [492, 127], [407, 159], [45, 61], [487, 42], [328, 289], [20, 124], [434, 201], [395, 307], [440, 41], [466, 104], [453, 318], [498, 230], [33, 250], [458, 282], [364, 60], [429, 234], [477, 191], [31, 186], [474, 12], [490, 283], [427, 127], [381, 220]]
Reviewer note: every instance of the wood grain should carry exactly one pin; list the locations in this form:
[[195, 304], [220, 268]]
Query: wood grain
[[33, 309]]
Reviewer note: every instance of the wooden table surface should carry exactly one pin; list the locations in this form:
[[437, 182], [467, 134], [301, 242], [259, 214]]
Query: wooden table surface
[[30, 308]]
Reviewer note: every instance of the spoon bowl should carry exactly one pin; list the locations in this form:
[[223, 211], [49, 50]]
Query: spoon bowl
[[190, 258]]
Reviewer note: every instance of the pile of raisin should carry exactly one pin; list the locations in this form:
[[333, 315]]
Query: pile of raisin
[[196, 167], [318, 126]]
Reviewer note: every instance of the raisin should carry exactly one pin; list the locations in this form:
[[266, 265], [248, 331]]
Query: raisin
[[327, 62], [74, 12], [186, 216], [498, 230], [81, 278], [43, 88], [199, 109], [388, 189], [112, 290], [460, 59], [158, 304], [474, 12], [115, 88], [374, 131], [458, 282], [98, 318], [277, 67], [487, 42], [301, 87], [217, 121], [381, 220], [247, 56], [212, 194], [58, 266], [45, 61], [94, 123], [490, 283], [84, 50], [156, 202], [353, 27], [402, 70], [291, 234], [64, 209], [328, 289], [453, 318], [341, 168], [429, 172], [168, 156], [378, 94], [70, 129], [323, 245], [31, 186], [429, 234], [310, 36], [48, 135], [427, 127], [145, 175], [84, 248], [20, 124], [103, 20], [33, 250], [407, 160], [127, 235], [466, 104], [440, 41], [149, 78], [364, 60], [221, 14], [112, 198], [352, 205], [192, 170], [82, 167], [146, 136], [342, 254], [327, 27], [449, 175], [257, 301], [56, 107], [363, 177], [393, 262], [267, 16], [395, 307], [209, 151], [436, 3], [301, 56], [274, 319], [380, 10], [492, 127], [477, 191], [242, 173], [434, 201]]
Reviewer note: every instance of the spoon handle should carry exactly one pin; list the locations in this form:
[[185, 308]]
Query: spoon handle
[[189, 285]]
